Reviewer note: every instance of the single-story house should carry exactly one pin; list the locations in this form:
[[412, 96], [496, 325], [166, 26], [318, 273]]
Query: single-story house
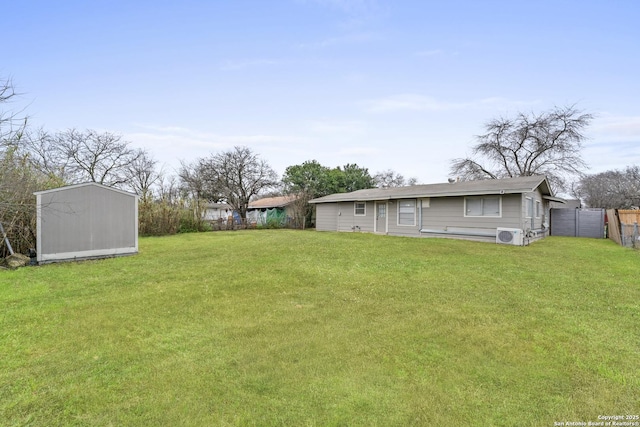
[[278, 209], [512, 210], [85, 221], [217, 211]]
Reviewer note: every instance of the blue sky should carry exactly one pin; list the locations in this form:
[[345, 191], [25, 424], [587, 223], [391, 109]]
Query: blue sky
[[402, 85]]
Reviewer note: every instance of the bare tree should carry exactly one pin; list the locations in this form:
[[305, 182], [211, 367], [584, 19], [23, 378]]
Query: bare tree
[[390, 178], [196, 190], [97, 157], [196, 181], [45, 156], [238, 174], [548, 144], [142, 174], [12, 123], [18, 179], [168, 188], [614, 189]]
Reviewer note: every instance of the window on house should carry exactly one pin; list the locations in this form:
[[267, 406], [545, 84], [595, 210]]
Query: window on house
[[360, 208], [538, 209], [407, 212], [482, 206], [529, 207]]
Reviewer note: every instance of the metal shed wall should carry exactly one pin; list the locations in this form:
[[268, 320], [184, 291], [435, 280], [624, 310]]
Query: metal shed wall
[[327, 217], [86, 221], [577, 222]]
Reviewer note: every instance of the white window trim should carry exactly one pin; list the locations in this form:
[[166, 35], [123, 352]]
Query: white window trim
[[529, 202], [538, 209], [355, 209], [415, 206], [464, 207]]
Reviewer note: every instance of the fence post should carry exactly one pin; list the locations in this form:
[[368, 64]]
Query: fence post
[[635, 242]]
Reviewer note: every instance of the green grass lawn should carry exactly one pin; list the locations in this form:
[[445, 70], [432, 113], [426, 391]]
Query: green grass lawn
[[280, 327]]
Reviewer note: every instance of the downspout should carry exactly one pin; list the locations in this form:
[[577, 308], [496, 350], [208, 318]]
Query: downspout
[[420, 215]]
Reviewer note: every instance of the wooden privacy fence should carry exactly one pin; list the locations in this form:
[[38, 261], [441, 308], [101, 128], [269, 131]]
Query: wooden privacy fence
[[623, 227]]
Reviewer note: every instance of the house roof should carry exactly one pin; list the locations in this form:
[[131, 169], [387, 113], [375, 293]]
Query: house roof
[[85, 184], [524, 184], [272, 202], [217, 206]]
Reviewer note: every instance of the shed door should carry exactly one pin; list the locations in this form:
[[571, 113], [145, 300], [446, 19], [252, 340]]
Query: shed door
[[381, 217]]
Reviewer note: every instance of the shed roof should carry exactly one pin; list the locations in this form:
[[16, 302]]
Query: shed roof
[[85, 184], [463, 188], [272, 202]]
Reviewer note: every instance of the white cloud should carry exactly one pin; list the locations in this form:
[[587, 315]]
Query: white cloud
[[616, 128], [171, 144]]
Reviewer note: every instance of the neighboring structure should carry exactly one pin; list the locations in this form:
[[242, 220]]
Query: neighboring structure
[[512, 211], [568, 204], [278, 210], [217, 211], [85, 221]]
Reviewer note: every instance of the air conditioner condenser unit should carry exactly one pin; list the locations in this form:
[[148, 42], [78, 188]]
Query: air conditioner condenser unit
[[509, 236]]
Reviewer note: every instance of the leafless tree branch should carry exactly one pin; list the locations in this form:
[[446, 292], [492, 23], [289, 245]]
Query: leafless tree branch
[[547, 143]]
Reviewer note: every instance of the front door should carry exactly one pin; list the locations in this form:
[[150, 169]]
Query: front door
[[381, 217]]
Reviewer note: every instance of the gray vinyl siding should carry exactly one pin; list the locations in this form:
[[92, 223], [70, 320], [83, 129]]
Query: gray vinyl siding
[[348, 221], [445, 213], [86, 221], [327, 217], [341, 217], [402, 230], [527, 223]]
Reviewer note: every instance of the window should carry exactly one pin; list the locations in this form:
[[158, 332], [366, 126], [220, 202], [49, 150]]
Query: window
[[407, 212], [482, 206], [360, 209], [529, 207], [538, 209]]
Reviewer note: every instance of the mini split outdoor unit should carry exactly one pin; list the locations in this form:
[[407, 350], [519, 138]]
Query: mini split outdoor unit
[[509, 236]]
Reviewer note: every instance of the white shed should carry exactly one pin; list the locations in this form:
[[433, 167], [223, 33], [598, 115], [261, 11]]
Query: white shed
[[85, 221]]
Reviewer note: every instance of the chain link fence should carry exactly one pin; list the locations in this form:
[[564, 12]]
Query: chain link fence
[[630, 235]]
